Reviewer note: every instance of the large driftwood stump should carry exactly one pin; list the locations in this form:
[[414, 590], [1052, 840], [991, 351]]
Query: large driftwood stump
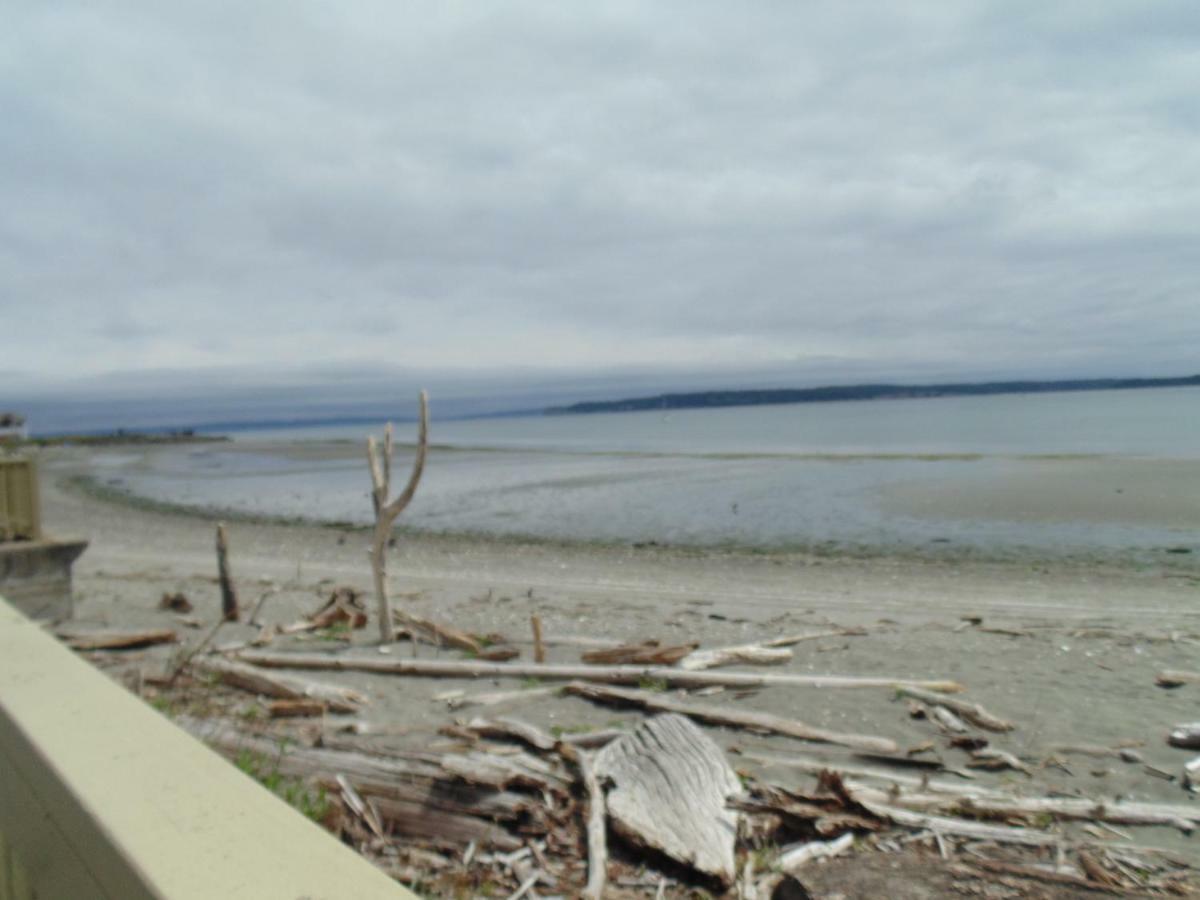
[[670, 782], [386, 510]]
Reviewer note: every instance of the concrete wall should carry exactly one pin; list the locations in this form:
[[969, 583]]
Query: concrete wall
[[102, 797]]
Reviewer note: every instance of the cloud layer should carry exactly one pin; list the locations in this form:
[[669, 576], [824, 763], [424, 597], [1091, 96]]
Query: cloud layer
[[959, 188]]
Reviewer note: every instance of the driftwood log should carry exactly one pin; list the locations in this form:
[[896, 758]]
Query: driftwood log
[[737, 718], [669, 787], [672, 677], [386, 511], [283, 687]]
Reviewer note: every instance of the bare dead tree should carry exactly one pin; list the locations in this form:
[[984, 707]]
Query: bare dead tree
[[386, 510]]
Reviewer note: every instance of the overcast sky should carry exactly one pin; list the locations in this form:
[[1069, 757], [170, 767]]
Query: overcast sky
[[792, 192]]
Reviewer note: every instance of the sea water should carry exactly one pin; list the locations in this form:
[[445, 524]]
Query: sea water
[[1064, 472]]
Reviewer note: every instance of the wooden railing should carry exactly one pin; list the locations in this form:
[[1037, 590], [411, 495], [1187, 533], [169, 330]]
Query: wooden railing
[[102, 797]]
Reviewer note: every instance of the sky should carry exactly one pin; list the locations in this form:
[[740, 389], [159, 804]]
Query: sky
[[524, 201]]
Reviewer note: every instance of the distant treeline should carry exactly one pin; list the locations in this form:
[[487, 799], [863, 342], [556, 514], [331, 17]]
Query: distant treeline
[[120, 436], [701, 399]]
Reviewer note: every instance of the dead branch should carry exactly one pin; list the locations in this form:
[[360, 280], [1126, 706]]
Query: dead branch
[[596, 837], [118, 640], [972, 712], [229, 599], [647, 653], [743, 654], [605, 674], [738, 718], [387, 510]]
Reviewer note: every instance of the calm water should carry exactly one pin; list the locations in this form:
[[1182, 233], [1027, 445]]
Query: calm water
[[1102, 471]]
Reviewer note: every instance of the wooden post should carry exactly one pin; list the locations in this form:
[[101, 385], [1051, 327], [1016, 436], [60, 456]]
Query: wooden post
[[386, 511], [539, 649], [229, 600]]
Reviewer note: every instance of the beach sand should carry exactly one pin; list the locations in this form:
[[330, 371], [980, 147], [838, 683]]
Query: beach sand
[[1080, 669]]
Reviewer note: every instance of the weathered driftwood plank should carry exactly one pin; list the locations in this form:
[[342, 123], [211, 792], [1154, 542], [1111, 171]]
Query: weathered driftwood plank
[[739, 718], [118, 640], [972, 712], [647, 653], [669, 786], [741, 655], [434, 668], [256, 681]]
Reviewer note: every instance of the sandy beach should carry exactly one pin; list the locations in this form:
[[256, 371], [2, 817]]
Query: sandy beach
[[1067, 651]]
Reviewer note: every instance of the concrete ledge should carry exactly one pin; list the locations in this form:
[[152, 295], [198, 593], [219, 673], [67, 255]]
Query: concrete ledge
[[35, 576], [100, 796]]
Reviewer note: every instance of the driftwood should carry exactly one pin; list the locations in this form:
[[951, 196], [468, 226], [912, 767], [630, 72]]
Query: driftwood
[[991, 758], [342, 607], [760, 653], [291, 709], [176, 602], [597, 816], [119, 640], [744, 655], [946, 720], [513, 728], [440, 635], [256, 681], [672, 677], [792, 861], [670, 782], [258, 606], [539, 649], [738, 718], [1186, 736], [414, 795], [647, 653], [1001, 834], [1175, 678], [386, 511], [972, 712], [460, 699], [229, 599]]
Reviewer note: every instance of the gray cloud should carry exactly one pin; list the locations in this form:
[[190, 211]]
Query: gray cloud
[[766, 192]]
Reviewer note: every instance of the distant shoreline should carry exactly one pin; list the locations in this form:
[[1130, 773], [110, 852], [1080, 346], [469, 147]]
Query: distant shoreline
[[841, 393]]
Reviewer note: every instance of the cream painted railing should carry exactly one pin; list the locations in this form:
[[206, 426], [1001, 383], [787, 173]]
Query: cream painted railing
[[102, 797]]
